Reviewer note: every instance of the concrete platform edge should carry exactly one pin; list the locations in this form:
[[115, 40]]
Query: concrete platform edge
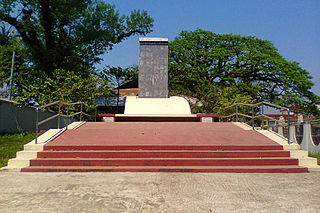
[[294, 149]]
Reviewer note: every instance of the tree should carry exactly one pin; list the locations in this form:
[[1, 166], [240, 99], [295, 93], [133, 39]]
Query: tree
[[62, 86], [119, 76], [70, 34], [10, 43], [202, 63]]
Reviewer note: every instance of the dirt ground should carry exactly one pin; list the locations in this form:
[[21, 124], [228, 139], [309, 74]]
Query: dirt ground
[[159, 192]]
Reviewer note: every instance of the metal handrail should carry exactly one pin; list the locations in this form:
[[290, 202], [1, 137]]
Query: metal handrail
[[256, 105], [47, 105], [315, 121], [68, 116], [253, 116], [88, 114], [48, 119]]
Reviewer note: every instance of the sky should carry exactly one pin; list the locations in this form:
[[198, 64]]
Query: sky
[[293, 26]]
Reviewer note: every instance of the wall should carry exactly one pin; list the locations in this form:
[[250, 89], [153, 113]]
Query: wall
[[14, 119]]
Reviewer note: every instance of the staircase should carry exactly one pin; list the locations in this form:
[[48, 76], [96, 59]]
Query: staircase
[[163, 147]]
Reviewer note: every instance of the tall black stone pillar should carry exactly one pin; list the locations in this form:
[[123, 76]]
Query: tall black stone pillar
[[153, 68]]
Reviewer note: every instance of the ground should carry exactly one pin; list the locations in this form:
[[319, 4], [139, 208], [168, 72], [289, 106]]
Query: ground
[[159, 192]]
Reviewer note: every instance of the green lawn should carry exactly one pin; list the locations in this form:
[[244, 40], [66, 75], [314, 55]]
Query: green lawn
[[10, 144], [315, 156]]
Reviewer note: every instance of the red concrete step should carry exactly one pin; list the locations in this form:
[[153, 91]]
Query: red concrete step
[[162, 161], [229, 169], [161, 147], [162, 154]]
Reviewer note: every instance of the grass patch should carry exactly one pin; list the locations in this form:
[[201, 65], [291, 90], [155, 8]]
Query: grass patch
[[10, 144], [315, 156]]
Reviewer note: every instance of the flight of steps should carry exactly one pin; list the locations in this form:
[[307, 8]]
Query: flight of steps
[[164, 158]]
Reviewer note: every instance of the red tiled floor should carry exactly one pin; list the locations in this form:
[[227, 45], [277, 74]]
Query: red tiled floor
[[180, 134]]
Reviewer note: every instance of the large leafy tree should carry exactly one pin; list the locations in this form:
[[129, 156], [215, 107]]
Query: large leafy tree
[[57, 43], [203, 64], [70, 34]]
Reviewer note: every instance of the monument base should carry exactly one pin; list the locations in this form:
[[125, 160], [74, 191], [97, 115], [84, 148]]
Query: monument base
[[173, 109], [156, 106]]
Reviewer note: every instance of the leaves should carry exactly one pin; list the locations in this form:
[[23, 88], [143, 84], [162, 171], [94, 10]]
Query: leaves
[[70, 35], [10, 44], [119, 76], [62, 86], [202, 64], [59, 44]]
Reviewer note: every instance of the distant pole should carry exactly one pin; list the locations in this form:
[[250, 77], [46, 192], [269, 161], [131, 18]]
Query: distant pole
[[11, 77]]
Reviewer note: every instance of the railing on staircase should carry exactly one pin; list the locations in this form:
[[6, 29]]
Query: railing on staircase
[[254, 115], [308, 135], [297, 129], [60, 114]]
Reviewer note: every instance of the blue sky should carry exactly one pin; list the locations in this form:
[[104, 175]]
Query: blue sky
[[293, 26]]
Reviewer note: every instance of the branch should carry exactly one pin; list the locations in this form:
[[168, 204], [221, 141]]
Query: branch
[[30, 40], [9, 20], [128, 34], [15, 23]]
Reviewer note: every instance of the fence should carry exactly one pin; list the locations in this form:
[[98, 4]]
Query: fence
[[16, 119], [67, 116], [297, 129], [254, 115]]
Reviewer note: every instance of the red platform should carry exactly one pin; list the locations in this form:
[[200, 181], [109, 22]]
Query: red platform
[[163, 146]]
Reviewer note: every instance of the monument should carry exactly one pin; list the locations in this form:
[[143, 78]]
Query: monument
[[153, 68], [153, 102], [153, 82]]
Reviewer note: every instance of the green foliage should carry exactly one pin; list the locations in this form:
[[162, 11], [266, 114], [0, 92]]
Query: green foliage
[[10, 144], [132, 81], [119, 76], [227, 96], [70, 35], [57, 45], [37, 87], [62, 86], [203, 64], [8, 45]]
